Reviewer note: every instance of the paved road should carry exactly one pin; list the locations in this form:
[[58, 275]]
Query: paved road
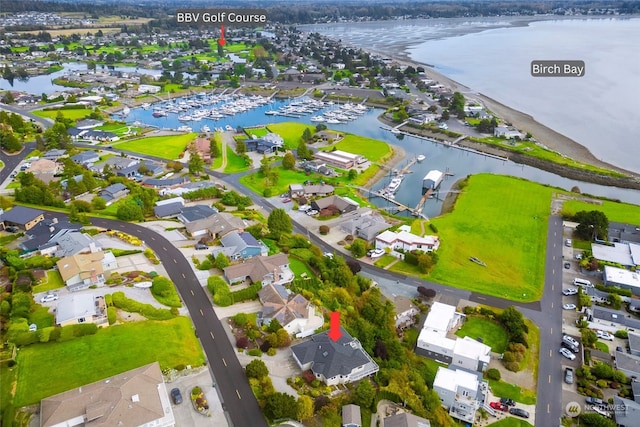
[[236, 395]]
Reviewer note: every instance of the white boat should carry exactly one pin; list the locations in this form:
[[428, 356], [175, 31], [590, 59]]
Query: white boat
[[185, 118], [205, 129], [420, 157], [184, 129], [228, 127], [333, 121], [125, 111], [317, 119], [146, 105], [272, 112]]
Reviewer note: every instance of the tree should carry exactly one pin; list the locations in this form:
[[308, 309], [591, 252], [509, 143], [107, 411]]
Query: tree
[[592, 225], [589, 337], [130, 211], [196, 164], [241, 147], [288, 161], [284, 339], [364, 394], [280, 405], [307, 135], [358, 248], [279, 223], [513, 321], [256, 369], [304, 408], [354, 266], [221, 261], [98, 203], [593, 419], [353, 174], [615, 300], [427, 293], [303, 151]]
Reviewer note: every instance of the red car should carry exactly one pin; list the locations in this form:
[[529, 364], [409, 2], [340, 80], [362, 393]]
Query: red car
[[499, 406]]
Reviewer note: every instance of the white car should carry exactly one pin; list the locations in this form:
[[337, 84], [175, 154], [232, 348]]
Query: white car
[[49, 298], [376, 253], [312, 212], [569, 306], [570, 291], [604, 335], [567, 353]]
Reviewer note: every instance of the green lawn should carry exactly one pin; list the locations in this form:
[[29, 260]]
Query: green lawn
[[492, 334], [511, 422], [235, 163], [255, 182], [54, 281], [384, 260], [47, 369], [602, 346], [258, 132], [118, 128], [373, 149], [512, 391], [502, 221], [299, 267], [291, 132], [217, 161], [615, 211], [74, 114], [166, 147]]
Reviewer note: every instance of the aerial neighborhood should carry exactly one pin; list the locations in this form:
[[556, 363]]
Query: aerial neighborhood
[[272, 228]]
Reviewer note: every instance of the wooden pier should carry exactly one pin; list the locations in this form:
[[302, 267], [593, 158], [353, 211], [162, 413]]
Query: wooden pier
[[400, 207]]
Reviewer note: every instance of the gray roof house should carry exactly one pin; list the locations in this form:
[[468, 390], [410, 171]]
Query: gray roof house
[[342, 204], [196, 212], [54, 154], [242, 245], [81, 308], [625, 233], [215, 226], [113, 192], [86, 157], [168, 210], [405, 419], [366, 226], [634, 343], [627, 412], [22, 217], [351, 416], [334, 362], [69, 242], [629, 364], [608, 315]]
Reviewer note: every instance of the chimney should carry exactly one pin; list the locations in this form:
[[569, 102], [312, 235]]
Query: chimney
[[94, 276], [55, 220], [92, 247], [275, 275]]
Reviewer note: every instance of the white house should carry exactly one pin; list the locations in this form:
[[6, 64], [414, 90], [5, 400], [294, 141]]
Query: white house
[[406, 241], [507, 132], [148, 89], [461, 392]]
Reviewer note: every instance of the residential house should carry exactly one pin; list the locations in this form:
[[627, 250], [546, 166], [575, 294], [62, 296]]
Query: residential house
[[69, 242], [202, 147], [296, 190], [242, 245], [196, 212], [83, 270], [21, 217], [634, 343], [86, 158], [406, 311], [317, 190], [351, 416], [81, 308], [405, 419], [215, 226], [622, 278], [339, 159], [144, 88], [627, 411], [131, 399], [334, 362], [406, 241], [625, 254], [624, 233], [293, 311], [113, 192], [163, 183], [367, 226], [40, 235], [461, 392], [335, 203], [261, 269], [315, 166], [89, 124], [44, 170], [596, 295], [170, 209], [54, 154], [507, 132], [262, 145], [629, 364], [611, 320]]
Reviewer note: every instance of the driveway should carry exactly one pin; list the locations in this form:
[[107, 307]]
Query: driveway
[[184, 413]]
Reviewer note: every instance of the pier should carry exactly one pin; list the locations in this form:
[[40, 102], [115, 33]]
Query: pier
[[400, 207]]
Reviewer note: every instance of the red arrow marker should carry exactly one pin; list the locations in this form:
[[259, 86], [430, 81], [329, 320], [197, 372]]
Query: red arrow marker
[[222, 41], [334, 326]]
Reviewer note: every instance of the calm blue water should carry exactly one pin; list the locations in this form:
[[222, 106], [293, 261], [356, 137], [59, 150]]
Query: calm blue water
[[438, 156]]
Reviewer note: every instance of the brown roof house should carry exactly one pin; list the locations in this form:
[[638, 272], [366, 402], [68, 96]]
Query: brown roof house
[[335, 203], [293, 311], [134, 398], [215, 226], [264, 269], [202, 146], [80, 271], [44, 169]]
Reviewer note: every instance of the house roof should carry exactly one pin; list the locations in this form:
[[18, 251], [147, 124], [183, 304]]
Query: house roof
[[168, 209], [619, 231], [75, 306], [278, 303], [405, 419], [196, 212], [113, 189], [82, 264], [133, 398], [390, 237], [257, 268], [627, 411], [85, 156], [166, 182], [365, 226], [331, 358], [351, 415], [70, 242], [402, 304], [634, 341], [439, 317], [20, 215], [616, 316], [44, 231], [239, 241], [451, 379], [318, 189], [43, 166], [628, 362], [339, 202], [220, 223]]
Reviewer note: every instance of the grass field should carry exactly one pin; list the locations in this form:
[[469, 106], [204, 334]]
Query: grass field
[[255, 182], [54, 281], [291, 132], [166, 147], [299, 267], [492, 333], [503, 222], [235, 163], [74, 114], [511, 422], [615, 211], [258, 132], [373, 149], [512, 391], [47, 369]]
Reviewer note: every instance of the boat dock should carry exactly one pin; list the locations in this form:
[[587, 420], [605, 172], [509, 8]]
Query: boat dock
[[400, 207]]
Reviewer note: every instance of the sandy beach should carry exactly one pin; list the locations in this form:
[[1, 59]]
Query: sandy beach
[[524, 122]]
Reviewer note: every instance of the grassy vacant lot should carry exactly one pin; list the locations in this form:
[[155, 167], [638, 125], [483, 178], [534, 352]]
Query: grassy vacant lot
[[512, 391], [291, 132], [511, 422], [492, 333], [73, 114], [235, 163], [615, 211], [166, 147], [258, 132], [255, 182], [48, 369], [503, 222], [373, 149]]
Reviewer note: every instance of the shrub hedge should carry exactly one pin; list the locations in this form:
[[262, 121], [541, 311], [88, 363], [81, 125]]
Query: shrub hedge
[[147, 310]]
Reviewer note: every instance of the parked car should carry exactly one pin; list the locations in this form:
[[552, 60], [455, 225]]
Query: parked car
[[568, 375], [499, 406], [376, 253], [519, 412], [594, 401], [312, 212], [570, 291], [567, 265], [304, 208], [201, 246], [604, 335], [569, 306], [567, 243], [578, 257], [286, 200], [567, 353], [507, 401], [574, 348], [176, 396], [570, 340], [49, 298]]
